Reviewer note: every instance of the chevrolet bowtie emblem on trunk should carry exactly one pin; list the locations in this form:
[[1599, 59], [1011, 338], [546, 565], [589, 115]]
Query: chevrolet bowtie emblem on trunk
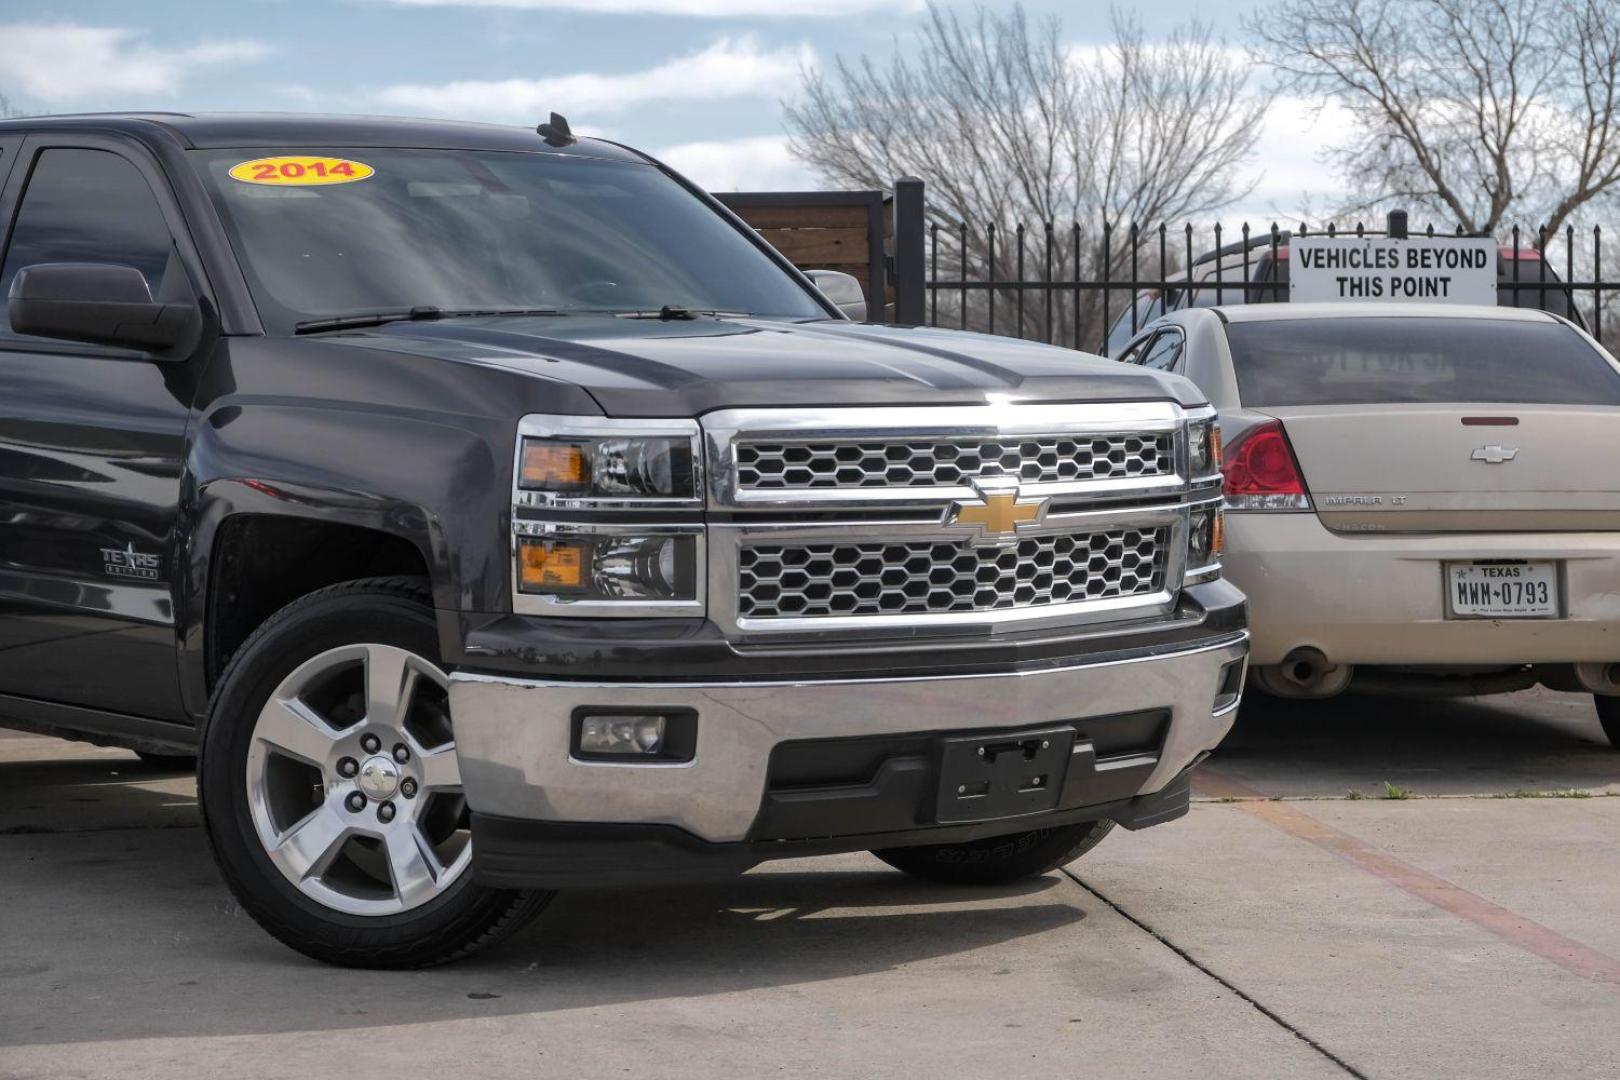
[[1495, 455], [998, 511]]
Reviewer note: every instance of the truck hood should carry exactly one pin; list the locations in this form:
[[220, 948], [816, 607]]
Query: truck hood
[[649, 367]]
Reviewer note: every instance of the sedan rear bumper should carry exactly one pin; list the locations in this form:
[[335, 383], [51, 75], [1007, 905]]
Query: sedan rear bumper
[[1377, 598]]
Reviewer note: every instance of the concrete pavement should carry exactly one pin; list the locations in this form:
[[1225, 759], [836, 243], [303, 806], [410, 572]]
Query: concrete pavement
[[1467, 935]]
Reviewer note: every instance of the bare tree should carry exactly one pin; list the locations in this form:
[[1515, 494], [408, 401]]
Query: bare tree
[[1481, 111], [8, 110], [1010, 125]]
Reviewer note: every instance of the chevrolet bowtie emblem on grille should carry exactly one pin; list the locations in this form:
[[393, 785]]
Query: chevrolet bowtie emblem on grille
[[1495, 455], [998, 511]]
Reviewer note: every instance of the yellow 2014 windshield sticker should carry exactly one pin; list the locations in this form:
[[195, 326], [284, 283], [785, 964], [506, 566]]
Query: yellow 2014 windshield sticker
[[300, 171]]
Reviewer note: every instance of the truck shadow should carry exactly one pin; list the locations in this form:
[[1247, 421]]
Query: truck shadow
[[91, 789], [1535, 741], [106, 909]]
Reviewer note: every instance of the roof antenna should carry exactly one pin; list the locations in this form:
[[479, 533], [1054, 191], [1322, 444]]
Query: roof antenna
[[556, 131]]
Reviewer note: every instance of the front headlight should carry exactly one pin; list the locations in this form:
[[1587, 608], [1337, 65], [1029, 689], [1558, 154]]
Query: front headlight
[[607, 517], [1206, 536], [640, 566], [603, 467], [1204, 447]]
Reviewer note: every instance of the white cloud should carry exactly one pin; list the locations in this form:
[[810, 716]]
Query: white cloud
[[59, 63], [1290, 162], [700, 9], [756, 163], [731, 67]]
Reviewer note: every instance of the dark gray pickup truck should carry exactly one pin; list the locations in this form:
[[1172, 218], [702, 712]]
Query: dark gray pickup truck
[[491, 511]]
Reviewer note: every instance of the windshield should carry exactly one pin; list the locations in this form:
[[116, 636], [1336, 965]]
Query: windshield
[[1379, 361], [360, 230]]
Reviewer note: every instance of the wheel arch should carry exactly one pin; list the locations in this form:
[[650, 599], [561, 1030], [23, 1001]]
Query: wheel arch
[[263, 562], [249, 561], [282, 496]]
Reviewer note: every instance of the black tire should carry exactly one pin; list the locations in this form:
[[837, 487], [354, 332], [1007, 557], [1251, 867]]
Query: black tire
[[1608, 710], [464, 918], [998, 860], [167, 762]]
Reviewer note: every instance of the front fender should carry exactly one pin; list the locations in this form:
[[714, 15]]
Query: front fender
[[436, 485]]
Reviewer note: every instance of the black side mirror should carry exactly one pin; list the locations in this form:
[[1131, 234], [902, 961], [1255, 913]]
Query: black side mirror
[[100, 304]]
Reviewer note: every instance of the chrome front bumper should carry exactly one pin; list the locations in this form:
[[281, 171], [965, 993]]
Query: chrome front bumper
[[513, 734]]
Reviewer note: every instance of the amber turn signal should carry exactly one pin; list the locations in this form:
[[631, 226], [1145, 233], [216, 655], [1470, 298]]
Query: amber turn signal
[[1217, 530], [552, 565], [1215, 455], [554, 466]]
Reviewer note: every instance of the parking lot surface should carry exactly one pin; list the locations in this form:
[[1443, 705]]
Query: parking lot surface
[[1366, 887]]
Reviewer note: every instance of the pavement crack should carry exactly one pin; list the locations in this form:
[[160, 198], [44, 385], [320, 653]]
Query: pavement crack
[[1204, 969]]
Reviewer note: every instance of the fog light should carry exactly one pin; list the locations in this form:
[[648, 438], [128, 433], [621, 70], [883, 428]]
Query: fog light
[[617, 735], [659, 735]]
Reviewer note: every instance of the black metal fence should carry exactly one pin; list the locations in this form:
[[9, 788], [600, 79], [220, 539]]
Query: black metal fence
[[1090, 287]]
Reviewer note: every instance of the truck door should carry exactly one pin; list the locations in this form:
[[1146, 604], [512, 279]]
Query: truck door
[[92, 441]]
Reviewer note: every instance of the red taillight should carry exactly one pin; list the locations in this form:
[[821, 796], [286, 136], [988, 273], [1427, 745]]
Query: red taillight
[[1261, 473], [1525, 254]]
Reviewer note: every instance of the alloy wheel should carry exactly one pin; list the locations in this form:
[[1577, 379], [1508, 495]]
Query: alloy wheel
[[353, 782]]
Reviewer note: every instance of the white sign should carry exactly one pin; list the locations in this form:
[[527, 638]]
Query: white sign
[[1447, 270]]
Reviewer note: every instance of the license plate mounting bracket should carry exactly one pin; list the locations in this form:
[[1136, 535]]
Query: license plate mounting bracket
[[983, 777]]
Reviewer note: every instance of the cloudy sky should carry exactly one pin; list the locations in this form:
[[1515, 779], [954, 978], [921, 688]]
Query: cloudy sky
[[696, 82]]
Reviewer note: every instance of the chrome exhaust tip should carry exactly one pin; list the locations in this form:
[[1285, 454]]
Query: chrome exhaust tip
[[1305, 672], [1599, 678]]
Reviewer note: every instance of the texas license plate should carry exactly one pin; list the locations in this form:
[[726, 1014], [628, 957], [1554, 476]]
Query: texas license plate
[[1502, 590]]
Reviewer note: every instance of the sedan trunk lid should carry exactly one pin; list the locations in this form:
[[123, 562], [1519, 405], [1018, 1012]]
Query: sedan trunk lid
[[1433, 468]]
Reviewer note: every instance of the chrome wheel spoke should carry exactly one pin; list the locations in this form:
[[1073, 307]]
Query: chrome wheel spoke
[[440, 769], [309, 847], [390, 680], [292, 727], [412, 865]]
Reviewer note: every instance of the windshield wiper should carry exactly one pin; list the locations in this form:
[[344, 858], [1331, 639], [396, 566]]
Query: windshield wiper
[[675, 311], [423, 313]]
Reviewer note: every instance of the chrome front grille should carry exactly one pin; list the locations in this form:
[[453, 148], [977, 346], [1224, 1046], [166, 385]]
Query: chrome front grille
[[802, 580], [876, 521], [804, 464]]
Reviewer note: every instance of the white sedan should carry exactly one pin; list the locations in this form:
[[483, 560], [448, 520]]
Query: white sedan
[[1420, 498]]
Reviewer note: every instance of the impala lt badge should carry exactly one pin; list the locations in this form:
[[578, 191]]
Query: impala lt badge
[[998, 512], [1495, 455]]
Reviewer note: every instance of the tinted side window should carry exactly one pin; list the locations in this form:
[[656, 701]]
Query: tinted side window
[[1274, 274], [1533, 273], [1133, 355], [87, 206], [1377, 361], [1227, 290], [1146, 307], [1165, 351]]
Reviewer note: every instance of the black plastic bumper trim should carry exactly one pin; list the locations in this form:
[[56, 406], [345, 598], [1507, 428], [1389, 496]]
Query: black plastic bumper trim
[[892, 783], [521, 854]]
